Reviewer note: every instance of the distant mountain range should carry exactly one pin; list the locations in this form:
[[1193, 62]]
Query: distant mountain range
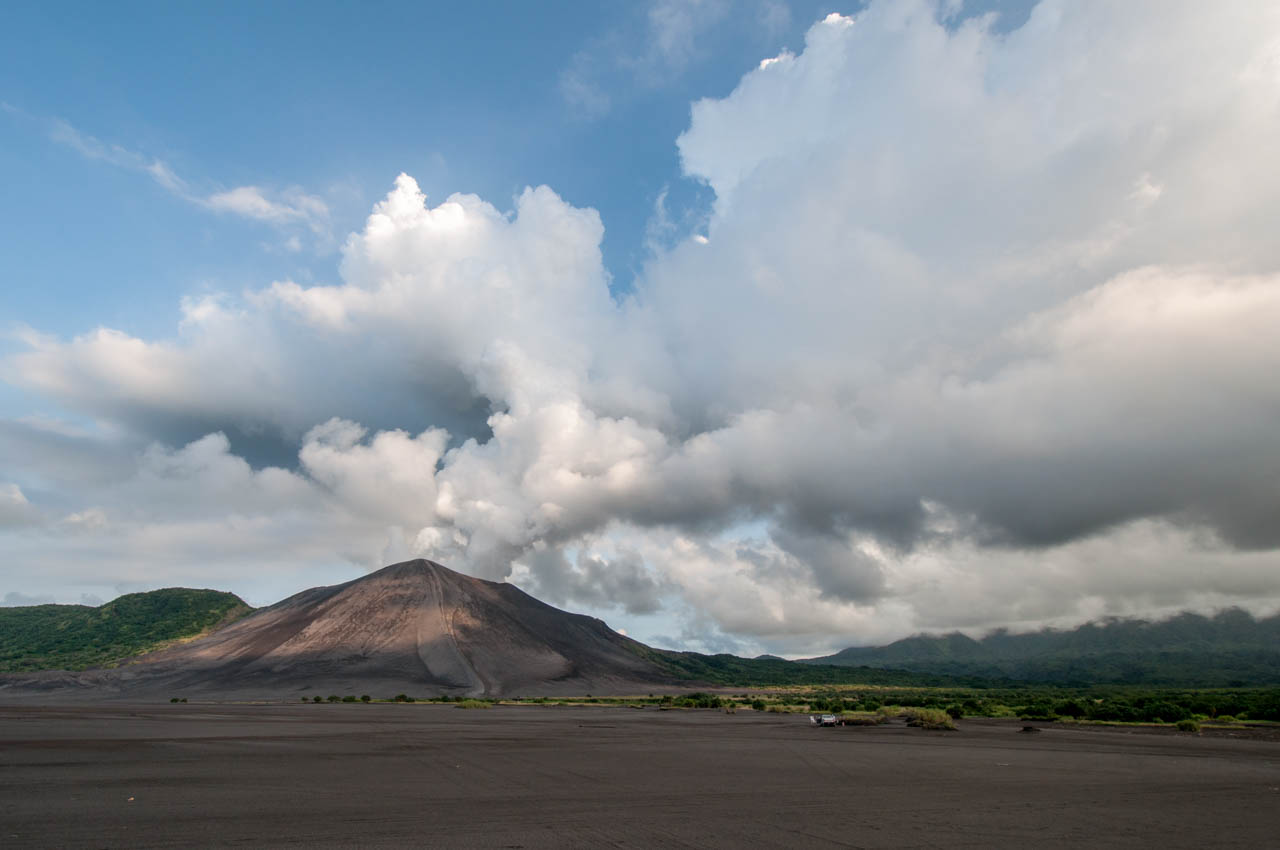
[[1229, 649], [422, 629]]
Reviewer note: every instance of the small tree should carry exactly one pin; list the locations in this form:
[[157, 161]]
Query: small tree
[[365, 698]]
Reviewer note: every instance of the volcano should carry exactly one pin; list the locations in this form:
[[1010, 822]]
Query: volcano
[[415, 627]]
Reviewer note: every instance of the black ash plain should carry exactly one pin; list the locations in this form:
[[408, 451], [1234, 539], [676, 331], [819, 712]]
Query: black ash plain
[[542, 777]]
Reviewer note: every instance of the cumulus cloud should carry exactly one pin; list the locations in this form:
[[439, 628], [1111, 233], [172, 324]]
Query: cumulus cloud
[[980, 332]]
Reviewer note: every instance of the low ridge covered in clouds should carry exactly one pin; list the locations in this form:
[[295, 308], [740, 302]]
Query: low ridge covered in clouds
[[981, 331]]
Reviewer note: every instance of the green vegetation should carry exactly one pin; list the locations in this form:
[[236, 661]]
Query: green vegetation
[[697, 699], [1189, 710], [77, 637], [1231, 649], [1101, 704], [929, 718]]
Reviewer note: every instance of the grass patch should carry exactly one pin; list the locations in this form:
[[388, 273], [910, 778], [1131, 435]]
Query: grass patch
[[929, 718], [853, 718], [473, 703]]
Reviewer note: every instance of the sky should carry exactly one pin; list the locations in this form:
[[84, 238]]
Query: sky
[[745, 326]]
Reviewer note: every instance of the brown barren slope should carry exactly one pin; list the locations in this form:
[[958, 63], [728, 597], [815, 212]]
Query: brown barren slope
[[415, 627]]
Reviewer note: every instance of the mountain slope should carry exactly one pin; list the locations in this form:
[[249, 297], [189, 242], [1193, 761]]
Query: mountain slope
[[76, 637], [1231, 648], [416, 627]]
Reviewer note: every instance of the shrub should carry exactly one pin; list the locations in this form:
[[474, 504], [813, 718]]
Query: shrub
[[1069, 708], [929, 718], [1225, 718], [349, 698], [697, 699], [173, 699], [758, 704], [473, 703], [334, 698], [316, 698], [996, 709], [1113, 710], [1037, 711], [366, 698], [955, 712], [1164, 712], [1188, 725], [851, 719]]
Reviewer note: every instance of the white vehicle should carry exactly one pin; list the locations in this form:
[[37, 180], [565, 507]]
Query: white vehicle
[[828, 720]]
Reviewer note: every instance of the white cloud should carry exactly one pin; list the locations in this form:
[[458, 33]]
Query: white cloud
[[284, 209], [658, 45], [674, 25], [15, 510], [980, 332], [290, 207]]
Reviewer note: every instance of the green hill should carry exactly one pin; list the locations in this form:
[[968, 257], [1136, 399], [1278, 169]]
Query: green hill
[[76, 637], [1231, 649]]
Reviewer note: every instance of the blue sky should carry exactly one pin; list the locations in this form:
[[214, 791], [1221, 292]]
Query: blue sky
[[327, 98], [336, 101], [785, 347]]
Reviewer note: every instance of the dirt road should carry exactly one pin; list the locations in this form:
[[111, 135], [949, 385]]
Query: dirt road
[[542, 777]]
